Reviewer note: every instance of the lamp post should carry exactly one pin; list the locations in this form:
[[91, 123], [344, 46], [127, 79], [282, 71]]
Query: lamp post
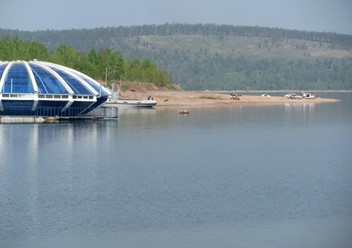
[[106, 77], [107, 74], [106, 81]]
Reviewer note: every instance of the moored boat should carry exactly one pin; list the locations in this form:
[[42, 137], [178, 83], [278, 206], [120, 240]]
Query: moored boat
[[149, 103]]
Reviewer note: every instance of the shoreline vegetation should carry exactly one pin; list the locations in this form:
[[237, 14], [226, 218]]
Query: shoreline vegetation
[[111, 67], [196, 56]]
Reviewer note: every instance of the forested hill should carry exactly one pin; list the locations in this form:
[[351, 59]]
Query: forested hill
[[222, 56]]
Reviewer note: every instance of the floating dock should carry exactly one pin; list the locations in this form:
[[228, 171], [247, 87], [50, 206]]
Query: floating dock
[[21, 119], [104, 112]]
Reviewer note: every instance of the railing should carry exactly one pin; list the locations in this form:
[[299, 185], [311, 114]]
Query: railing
[[44, 111], [17, 95], [46, 96]]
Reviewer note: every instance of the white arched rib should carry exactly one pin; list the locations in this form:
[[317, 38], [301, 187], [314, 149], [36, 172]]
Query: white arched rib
[[91, 80], [4, 75], [61, 80], [31, 76], [73, 74]]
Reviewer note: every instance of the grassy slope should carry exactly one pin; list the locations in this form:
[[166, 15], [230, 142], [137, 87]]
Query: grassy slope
[[221, 62], [236, 46], [178, 53]]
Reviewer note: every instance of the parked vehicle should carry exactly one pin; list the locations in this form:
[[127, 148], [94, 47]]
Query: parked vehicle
[[235, 96], [293, 96], [309, 95]]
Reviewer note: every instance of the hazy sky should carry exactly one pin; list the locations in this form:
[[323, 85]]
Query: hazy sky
[[310, 15]]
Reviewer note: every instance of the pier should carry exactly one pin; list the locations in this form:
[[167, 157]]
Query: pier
[[104, 112]]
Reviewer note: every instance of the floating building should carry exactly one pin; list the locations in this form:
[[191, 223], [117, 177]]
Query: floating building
[[38, 88]]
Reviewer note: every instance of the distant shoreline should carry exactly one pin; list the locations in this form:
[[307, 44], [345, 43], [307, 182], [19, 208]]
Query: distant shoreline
[[278, 91], [216, 98]]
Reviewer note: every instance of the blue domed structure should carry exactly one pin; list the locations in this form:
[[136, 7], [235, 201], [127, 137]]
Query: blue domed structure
[[38, 88]]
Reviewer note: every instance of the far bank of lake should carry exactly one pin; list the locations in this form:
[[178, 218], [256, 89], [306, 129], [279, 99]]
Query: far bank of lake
[[217, 98]]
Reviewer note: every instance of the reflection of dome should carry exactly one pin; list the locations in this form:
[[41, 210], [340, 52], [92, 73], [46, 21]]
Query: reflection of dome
[[39, 88]]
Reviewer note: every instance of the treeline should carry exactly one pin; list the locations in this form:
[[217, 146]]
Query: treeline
[[339, 40], [85, 39], [101, 65], [247, 64], [201, 56], [245, 73]]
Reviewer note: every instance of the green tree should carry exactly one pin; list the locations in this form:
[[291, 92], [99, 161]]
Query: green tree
[[16, 49], [67, 56], [99, 65]]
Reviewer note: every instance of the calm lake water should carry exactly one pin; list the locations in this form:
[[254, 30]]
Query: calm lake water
[[242, 176]]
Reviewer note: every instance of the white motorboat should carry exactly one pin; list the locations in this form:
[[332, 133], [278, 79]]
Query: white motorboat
[[149, 103], [116, 101]]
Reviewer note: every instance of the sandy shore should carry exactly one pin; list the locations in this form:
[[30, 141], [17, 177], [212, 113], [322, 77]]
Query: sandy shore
[[213, 99]]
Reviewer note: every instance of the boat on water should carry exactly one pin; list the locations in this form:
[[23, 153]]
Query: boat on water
[[117, 101], [183, 112], [149, 103]]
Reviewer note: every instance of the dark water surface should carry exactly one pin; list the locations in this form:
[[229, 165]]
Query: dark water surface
[[245, 176]]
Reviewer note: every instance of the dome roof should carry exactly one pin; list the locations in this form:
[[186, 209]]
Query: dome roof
[[46, 78], [40, 84]]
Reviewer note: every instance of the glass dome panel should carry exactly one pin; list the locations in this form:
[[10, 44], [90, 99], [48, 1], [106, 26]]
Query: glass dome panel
[[77, 86], [47, 83], [98, 88], [17, 80]]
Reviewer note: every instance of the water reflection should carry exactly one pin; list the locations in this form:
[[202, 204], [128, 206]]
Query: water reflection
[[156, 170], [39, 163], [299, 114]]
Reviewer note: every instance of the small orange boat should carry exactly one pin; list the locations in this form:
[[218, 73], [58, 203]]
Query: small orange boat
[[183, 112]]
